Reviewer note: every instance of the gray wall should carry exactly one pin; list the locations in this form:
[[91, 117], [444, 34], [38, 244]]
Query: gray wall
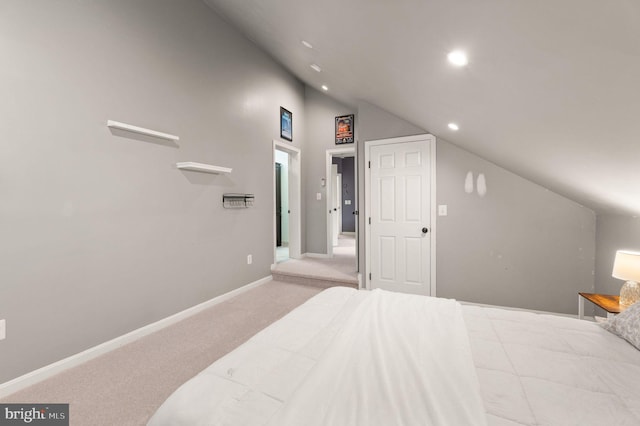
[[320, 113], [614, 232], [100, 233], [520, 245]]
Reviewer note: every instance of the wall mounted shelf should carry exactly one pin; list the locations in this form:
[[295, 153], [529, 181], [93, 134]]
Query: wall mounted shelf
[[237, 201], [205, 168], [141, 130]]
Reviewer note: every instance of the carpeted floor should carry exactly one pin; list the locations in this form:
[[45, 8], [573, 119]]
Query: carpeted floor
[[127, 385], [346, 248], [325, 272]]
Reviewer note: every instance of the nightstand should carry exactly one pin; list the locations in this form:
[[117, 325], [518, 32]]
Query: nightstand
[[608, 302]]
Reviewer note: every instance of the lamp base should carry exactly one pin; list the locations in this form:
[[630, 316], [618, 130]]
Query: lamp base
[[629, 294]]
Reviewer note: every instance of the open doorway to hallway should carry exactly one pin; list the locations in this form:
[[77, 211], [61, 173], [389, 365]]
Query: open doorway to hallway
[[342, 205], [286, 201], [282, 205], [339, 266]]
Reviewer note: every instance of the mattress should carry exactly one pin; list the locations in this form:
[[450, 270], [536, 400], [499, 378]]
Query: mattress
[[532, 369]]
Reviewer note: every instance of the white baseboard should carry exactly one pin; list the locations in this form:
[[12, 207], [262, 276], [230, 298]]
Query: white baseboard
[[50, 370], [316, 255], [348, 233], [510, 308]]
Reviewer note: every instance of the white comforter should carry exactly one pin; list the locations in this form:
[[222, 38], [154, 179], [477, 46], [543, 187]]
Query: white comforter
[[532, 370], [399, 360], [552, 370]]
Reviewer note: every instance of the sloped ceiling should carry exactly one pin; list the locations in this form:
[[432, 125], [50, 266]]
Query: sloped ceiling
[[551, 92]]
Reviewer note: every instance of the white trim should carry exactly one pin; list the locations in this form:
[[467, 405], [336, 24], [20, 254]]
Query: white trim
[[433, 201], [348, 232], [434, 213], [57, 367], [511, 308], [295, 198]]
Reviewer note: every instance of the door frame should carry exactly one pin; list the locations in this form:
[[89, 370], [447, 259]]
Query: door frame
[[339, 199], [278, 189], [295, 234], [432, 202], [333, 202], [329, 156]]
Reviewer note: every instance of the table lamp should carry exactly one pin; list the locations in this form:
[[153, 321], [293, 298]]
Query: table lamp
[[627, 267]]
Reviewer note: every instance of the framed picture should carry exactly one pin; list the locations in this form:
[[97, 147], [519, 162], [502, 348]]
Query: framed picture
[[286, 124], [344, 129]]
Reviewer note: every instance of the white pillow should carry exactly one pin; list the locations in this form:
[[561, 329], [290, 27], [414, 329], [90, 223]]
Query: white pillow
[[626, 324]]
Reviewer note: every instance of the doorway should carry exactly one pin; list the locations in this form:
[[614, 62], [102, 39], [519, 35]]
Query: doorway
[[400, 206], [336, 201], [282, 206], [286, 201], [342, 232]]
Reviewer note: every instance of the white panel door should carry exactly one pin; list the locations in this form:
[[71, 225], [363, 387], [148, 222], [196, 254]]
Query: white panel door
[[400, 215]]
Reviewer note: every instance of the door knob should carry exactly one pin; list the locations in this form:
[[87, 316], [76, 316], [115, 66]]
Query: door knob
[[425, 230]]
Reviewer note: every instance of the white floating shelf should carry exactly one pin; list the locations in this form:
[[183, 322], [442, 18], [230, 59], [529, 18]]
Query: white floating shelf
[[205, 168], [141, 130]]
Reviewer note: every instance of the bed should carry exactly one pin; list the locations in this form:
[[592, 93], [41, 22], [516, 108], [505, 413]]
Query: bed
[[349, 357]]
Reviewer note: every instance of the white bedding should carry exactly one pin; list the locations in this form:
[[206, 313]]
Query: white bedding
[[399, 359], [532, 370], [552, 370]]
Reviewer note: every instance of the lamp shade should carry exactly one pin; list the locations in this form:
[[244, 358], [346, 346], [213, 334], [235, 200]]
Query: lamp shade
[[626, 266]]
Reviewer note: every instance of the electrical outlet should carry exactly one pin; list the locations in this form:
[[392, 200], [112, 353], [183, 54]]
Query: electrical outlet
[[249, 259], [318, 196], [442, 210], [3, 329]]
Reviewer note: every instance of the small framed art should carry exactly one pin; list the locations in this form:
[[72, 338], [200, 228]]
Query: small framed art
[[344, 129], [286, 124]]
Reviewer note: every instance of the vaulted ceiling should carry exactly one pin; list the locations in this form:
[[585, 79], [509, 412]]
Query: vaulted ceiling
[[551, 91]]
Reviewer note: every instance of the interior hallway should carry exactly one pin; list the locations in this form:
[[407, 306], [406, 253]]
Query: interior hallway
[[341, 269]]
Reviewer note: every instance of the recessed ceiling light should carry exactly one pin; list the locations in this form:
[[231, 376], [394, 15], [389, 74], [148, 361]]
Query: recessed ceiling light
[[453, 126], [458, 58], [307, 44], [315, 67], [324, 87]]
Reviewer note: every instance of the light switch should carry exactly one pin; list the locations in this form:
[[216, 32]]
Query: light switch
[[3, 329], [442, 210], [318, 195]]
